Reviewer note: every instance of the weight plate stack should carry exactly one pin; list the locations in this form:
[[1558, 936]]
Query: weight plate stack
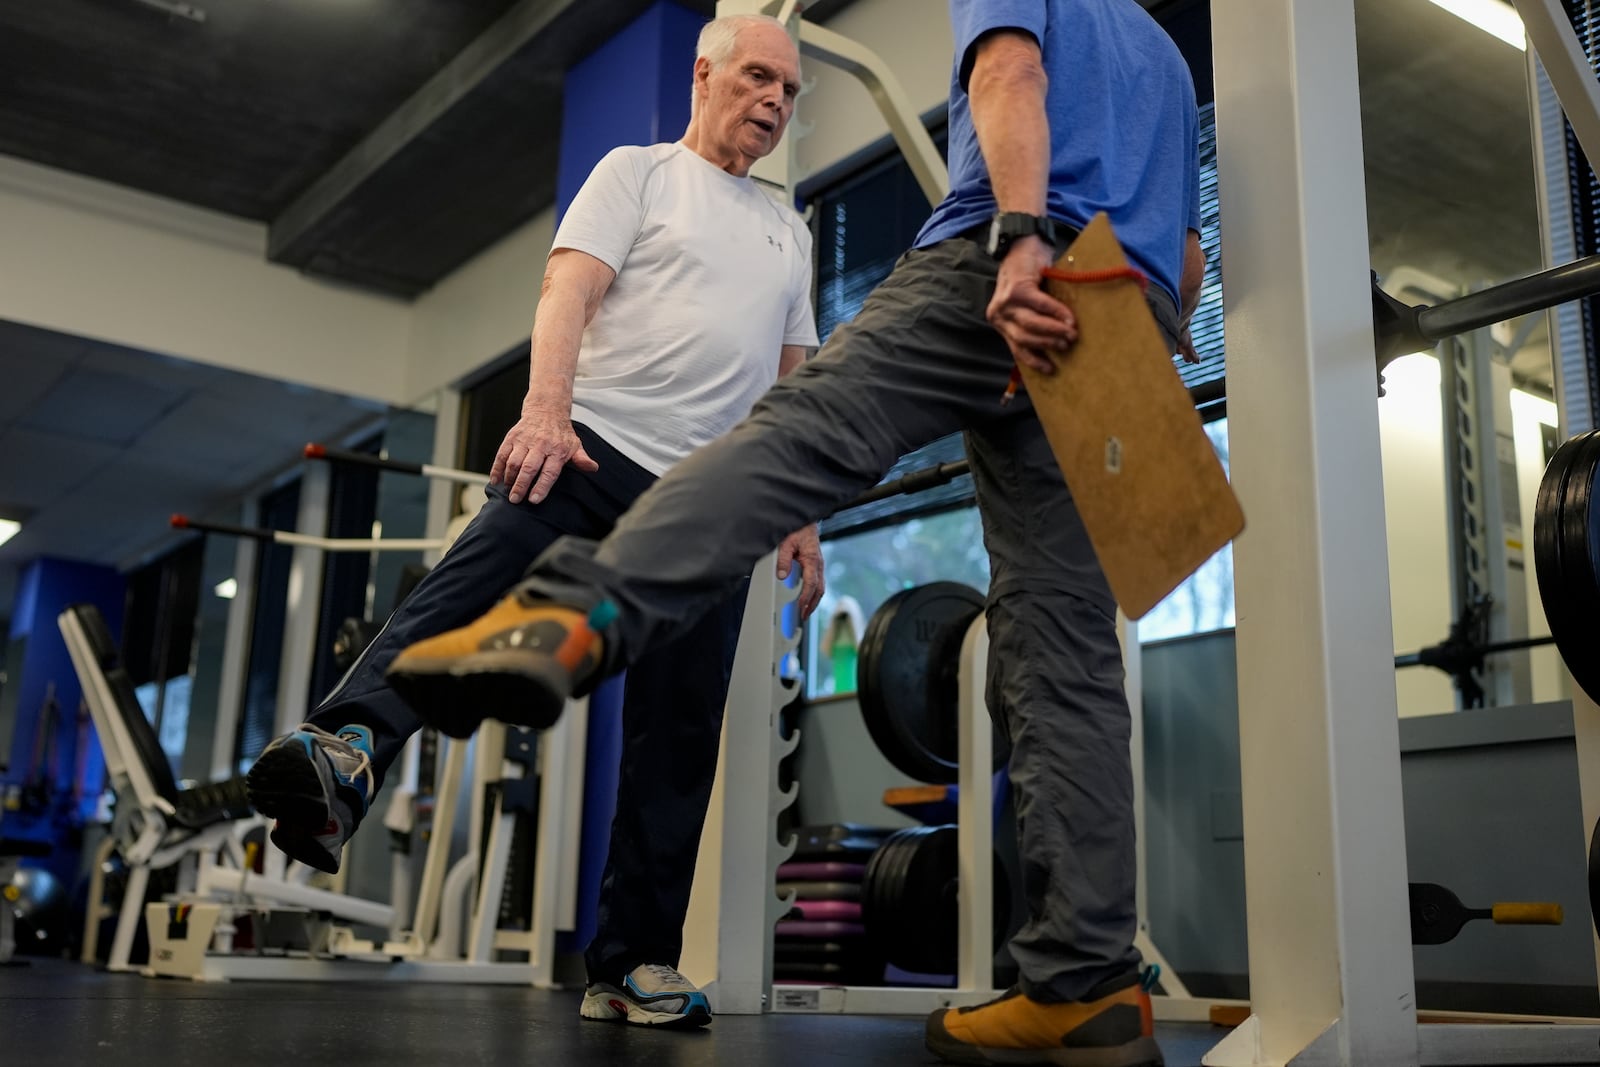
[[1566, 544], [823, 938], [910, 900], [906, 679]]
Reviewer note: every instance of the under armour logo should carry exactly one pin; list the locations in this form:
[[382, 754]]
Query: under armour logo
[[776, 244]]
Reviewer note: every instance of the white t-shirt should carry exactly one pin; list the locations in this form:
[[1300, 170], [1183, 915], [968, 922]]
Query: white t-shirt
[[713, 278]]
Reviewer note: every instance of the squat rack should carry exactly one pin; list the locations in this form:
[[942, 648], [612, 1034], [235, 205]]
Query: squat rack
[[1330, 952]]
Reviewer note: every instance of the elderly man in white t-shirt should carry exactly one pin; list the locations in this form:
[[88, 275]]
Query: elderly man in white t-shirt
[[675, 294]]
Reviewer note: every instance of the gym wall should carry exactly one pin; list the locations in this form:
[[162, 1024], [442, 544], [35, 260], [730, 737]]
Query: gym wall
[[100, 261], [917, 48]]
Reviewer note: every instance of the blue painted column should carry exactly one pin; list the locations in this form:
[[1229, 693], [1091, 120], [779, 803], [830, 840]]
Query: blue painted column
[[59, 775], [632, 90]]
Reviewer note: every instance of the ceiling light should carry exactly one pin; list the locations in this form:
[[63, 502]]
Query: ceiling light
[[8, 529], [1491, 16], [227, 588]]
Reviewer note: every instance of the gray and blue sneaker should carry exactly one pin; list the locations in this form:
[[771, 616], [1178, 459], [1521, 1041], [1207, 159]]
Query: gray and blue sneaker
[[317, 786], [652, 994]]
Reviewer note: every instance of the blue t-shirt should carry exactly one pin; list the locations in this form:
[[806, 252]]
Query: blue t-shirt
[[1123, 126]]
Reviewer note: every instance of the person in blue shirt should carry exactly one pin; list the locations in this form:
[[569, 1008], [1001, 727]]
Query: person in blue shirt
[[1059, 109]]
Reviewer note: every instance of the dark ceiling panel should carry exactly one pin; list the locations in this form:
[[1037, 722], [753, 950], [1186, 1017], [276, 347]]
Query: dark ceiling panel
[[238, 113], [476, 174], [102, 406], [38, 467], [468, 158], [31, 361], [386, 141]]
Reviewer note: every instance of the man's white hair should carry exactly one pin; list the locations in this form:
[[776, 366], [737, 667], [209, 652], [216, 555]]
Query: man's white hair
[[719, 36]]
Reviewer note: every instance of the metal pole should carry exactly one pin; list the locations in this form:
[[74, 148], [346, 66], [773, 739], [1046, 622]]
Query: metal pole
[[1325, 863], [1509, 300]]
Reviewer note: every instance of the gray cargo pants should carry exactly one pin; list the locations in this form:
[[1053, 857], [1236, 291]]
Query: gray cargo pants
[[917, 363]]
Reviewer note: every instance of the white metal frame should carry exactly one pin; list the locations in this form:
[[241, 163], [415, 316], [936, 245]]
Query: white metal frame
[[151, 839], [235, 651], [449, 910], [975, 867], [1330, 948], [304, 603], [734, 904]]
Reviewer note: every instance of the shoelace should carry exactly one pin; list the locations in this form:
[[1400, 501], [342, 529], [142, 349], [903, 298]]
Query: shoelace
[[363, 761], [669, 975]]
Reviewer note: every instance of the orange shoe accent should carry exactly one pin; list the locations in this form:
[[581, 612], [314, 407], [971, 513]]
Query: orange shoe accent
[[1115, 1030], [493, 629], [519, 663]]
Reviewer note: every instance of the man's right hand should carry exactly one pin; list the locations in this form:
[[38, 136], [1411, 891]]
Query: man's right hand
[[1033, 322], [534, 451]]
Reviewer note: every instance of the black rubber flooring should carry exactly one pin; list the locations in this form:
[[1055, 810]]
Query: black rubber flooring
[[59, 1013]]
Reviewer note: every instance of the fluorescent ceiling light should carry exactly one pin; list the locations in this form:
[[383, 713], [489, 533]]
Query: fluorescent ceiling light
[[8, 529], [227, 588], [1491, 16]]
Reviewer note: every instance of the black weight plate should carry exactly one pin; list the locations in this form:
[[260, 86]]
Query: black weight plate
[[880, 886], [906, 681], [787, 950], [899, 896], [1547, 539], [1594, 876], [1547, 535], [872, 883], [1580, 543], [913, 918], [867, 654], [1572, 597], [1573, 513], [909, 707], [930, 906]]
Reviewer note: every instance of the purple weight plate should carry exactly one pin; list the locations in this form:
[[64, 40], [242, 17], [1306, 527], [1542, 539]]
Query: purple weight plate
[[821, 872], [829, 910]]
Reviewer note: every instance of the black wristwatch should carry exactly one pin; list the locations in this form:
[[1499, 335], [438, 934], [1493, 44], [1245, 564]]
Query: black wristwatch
[[1009, 226]]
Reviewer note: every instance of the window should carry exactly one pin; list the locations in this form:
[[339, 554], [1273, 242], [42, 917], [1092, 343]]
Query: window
[[352, 507], [158, 638], [865, 569], [280, 510], [1205, 601], [865, 223], [1585, 187]]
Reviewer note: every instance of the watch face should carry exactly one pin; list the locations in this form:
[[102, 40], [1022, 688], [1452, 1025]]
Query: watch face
[[994, 235]]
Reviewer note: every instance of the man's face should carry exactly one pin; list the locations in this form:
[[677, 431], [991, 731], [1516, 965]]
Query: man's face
[[748, 100]]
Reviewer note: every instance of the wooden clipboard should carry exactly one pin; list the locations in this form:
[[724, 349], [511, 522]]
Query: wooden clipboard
[[1152, 493]]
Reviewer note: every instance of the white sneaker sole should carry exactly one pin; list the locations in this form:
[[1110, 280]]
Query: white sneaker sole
[[607, 1007]]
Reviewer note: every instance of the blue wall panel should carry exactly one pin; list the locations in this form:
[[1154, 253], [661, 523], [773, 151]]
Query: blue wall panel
[[633, 90]]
